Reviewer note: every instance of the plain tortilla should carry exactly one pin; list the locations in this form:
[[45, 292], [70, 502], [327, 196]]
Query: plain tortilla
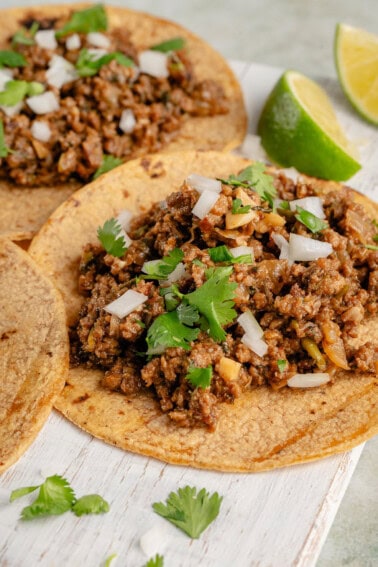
[[24, 210], [33, 350], [263, 429]]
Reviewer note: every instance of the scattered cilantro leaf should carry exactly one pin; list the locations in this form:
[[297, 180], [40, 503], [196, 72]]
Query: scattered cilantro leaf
[[197, 262], [238, 208], [157, 561], [91, 19], [160, 269], [55, 497], [281, 365], [90, 504], [375, 237], [375, 223], [190, 512], [109, 162], [4, 150], [371, 247], [88, 65], [312, 222], [254, 177], [110, 236], [214, 300], [200, 377], [109, 559], [25, 36], [15, 91], [19, 492], [223, 254], [167, 331], [187, 314], [174, 44], [9, 58], [140, 323]]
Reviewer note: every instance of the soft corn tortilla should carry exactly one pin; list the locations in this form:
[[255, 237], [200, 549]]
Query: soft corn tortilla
[[33, 350], [263, 429], [24, 210]]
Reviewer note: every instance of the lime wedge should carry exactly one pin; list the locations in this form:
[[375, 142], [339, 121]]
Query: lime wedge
[[356, 57], [298, 127]]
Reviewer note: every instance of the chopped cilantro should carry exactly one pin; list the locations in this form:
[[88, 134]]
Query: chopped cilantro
[[375, 237], [9, 58], [109, 162], [187, 314], [55, 497], [91, 19], [167, 331], [15, 91], [24, 36], [312, 222], [90, 504], [190, 512], [281, 365], [110, 236], [157, 561], [371, 247], [198, 262], [254, 177], [88, 65], [223, 254], [214, 300], [140, 323], [4, 150], [238, 208], [160, 269], [200, 377], [174, 44]]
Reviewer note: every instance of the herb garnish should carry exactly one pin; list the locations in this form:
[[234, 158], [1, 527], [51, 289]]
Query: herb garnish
[[200, 377], [174, 44], [4, 150], [111, 237], [187, 314], [254, 177], [371, 247], [109, 162], [25, 36], [223, 254], [157, 561], [160, 269], [15, 91], [88, 64], [91, 19], [238, 208], [167, 331], [90, 504], [109, 559], [190, 512], [9, 58], [312, 222], [282, 365]]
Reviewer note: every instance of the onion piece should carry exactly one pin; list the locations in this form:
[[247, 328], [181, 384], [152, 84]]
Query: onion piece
[[126, 238], [308, 380], [242, 251], [124, 219], [201, 183], [154, 63], [46, 39], [304, 249], [154, 540], [128, 121], [204, 204], [282, 244], [126, 303], [43, 103], [5, 77], [178, 273], [60, 72], [73, 42], [313, 205], [252, 148], [41, 131], [258, 346], [250, 325], [291, 173], [96, 53], [12, 110], [98, 40]]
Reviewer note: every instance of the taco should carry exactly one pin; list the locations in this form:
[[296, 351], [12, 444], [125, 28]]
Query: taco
[[84, 88], [33, 350], [231, 324]]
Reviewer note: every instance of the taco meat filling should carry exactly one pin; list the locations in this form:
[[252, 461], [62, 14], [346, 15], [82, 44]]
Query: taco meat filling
[[74, 102], [254, 288]]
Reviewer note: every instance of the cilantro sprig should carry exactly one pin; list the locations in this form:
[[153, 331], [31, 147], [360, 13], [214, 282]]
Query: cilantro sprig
[[254, 177], [90, 504], [167, 331], [238, 208], [93, 19], [111, 237], [200, 377], [88, 64], [371, 247], [160, 269], [15, 91], [109, 162], [174, 44], [157, 561], [190, 512], [9, 58], [223, 254], [25, 36], [282, 364], [311, 221]]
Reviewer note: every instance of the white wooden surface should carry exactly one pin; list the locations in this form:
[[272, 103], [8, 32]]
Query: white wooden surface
[[274, 519]]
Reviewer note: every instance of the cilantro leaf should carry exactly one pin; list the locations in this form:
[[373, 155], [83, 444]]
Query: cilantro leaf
[[281, 365], [109, 162], [9, 58], [19, 492], [187, 314], [214, 300], [24, 36], [167, 331], [174, 44], [15, 91], [238, 208], [375, 237], [160, 269], [223, 254], [55, 497], [254, 177], [371, 247], [90, 504], [110, 236], [91, 19], [157, 561], [190, 512], [312, 222], [4, 150], [88, 65], [200, 377]]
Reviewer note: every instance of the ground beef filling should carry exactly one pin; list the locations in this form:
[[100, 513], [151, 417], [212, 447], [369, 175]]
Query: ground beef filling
[[310, 311], [86, 126]]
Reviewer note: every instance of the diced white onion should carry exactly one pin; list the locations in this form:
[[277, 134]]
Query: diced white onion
[[258, 346], [126, 238], [5, 77], [252, 148], [205, 203], [154, 540], [98, 40], [242, 251], [96, 53], [73, 42], [43, 103], [291, 173], [308, 380], [60, 72], [41, 131], [250, 325], [282, 244], [126, 303], [313, 205], [12, 110], [124, 219], [46, 39], [128, 121], [201, 183], [178, 273], [304, 249], [154, 63], [163, 205]]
